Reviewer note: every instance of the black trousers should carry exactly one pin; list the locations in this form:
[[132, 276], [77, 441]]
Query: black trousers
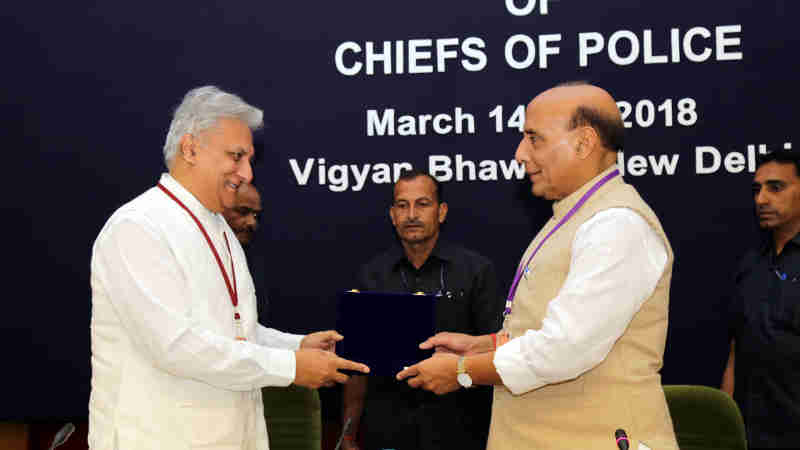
[[398, 417]]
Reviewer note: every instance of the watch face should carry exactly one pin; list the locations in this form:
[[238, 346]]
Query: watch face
[[464, 380]]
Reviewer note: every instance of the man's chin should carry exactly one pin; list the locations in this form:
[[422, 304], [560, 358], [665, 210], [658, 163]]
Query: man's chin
[[244, 238], [414, 238], [226, 205], [540, 193], [227, 198], [766, 224]]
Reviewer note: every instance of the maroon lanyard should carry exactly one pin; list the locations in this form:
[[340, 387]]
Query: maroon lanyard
[[231, 288]]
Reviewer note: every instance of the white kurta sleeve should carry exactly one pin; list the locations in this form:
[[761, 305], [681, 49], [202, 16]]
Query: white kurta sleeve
[[617, 260], [270, 337], [149, 293]]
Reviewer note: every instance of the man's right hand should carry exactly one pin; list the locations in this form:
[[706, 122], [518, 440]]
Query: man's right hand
[[315, 368], [459, 343]]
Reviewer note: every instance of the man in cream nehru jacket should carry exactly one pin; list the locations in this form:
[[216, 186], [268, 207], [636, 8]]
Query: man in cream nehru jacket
[[585, 324], [178, 356]]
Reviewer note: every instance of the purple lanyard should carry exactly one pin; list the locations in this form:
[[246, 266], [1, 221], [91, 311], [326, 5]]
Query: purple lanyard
[[522, 268]]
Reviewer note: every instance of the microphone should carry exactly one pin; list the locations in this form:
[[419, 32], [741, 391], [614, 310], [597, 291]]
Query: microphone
[[63, 434], [622, 439], [345, 429]]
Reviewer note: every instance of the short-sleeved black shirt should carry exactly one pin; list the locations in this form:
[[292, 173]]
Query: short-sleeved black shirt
[[765, 324], [469, 303]]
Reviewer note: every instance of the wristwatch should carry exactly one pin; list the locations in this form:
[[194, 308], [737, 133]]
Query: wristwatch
[[462, 376]]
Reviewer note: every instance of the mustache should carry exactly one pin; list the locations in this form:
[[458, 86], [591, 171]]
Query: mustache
[[411, 223]]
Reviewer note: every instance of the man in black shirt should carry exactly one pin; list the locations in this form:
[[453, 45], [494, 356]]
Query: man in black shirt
[[396, 416], [763, 371]]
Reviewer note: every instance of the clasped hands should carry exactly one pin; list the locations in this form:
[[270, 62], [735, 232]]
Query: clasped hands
[[438, 373], [317, 365]]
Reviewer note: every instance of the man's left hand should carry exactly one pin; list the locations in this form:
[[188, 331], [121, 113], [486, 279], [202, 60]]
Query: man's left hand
[[436, 374], [323, 340]]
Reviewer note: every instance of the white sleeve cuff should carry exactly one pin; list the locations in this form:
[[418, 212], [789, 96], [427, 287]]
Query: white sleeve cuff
[[293, 340], [280, 366], [513, 369]]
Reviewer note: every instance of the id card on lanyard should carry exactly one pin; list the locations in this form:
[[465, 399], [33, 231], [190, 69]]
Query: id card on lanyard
[[232, 290]]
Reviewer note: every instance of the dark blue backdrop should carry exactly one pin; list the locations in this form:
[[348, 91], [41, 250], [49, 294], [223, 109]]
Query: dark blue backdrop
[[88, 91]]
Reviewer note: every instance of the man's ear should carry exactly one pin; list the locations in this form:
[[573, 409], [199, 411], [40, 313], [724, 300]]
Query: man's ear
[[187, 149], [442, 212], [391, 215], [588, 141]]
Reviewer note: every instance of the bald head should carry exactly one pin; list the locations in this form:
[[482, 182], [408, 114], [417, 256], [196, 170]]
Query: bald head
[[578, 92], [572, 133], [591, 106], [243, 217]]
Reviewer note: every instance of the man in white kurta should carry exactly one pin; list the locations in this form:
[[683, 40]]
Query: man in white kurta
[[171, 366]]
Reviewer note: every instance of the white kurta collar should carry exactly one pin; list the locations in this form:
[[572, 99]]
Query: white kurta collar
[[561, 207], [204, 214]]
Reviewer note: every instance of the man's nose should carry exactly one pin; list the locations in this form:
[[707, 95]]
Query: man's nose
[[521, 153], [245, 171], [251, 221], [761, 198]]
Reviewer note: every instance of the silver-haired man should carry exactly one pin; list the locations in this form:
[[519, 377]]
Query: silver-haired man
[[178, 356]]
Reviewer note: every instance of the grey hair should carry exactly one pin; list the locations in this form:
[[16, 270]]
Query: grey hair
[[200, 110]]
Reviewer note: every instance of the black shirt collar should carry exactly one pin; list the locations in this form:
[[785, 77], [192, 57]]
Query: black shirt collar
[[442, 251], [768, 244]]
